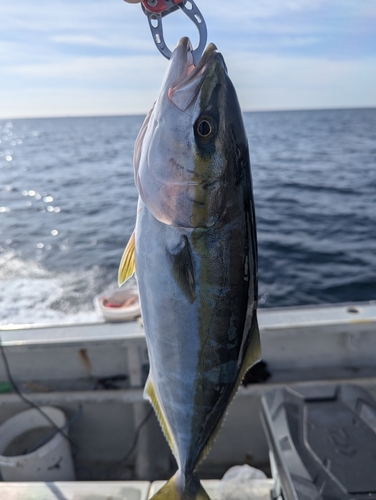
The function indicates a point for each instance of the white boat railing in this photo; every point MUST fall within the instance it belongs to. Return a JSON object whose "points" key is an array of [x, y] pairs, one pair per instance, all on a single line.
{"points": [[298, 344]]}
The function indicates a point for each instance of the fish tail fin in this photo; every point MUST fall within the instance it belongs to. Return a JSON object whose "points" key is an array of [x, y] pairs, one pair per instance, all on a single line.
{"points": [[173, 490]]}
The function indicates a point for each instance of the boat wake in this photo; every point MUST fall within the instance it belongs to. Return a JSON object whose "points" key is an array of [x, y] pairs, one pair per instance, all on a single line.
{"points": [[30, 294]]}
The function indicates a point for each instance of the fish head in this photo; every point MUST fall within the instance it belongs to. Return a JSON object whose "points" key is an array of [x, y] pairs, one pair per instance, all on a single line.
{"points": [[188, 154]]}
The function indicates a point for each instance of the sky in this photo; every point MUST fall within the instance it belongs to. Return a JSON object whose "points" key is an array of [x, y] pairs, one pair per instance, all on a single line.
{"points": [[97, 57]]}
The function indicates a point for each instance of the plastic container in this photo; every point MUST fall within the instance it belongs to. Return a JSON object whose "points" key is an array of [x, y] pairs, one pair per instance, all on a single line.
{"points": [[322, 440], [50, 462], [118, 305]]}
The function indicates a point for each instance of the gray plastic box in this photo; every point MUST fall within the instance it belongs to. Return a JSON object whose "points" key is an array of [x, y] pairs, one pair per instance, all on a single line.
{"points": [[323, 441]]}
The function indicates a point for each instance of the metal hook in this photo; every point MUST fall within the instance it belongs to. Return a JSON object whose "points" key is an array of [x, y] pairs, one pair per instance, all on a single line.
{"points": [[155, 10]]}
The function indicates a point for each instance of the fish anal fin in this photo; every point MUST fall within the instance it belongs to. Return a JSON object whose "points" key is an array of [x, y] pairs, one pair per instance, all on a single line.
{"points": [[172, 490], [252, 356], [182, 269], [128, 262], [253, 353], [151, 394]]}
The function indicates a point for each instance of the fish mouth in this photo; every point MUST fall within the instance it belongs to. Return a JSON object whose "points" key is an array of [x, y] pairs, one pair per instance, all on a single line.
{"points": [[188, 77]]}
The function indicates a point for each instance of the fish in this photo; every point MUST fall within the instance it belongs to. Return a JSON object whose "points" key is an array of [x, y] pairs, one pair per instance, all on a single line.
{"points": [[194, 252]]}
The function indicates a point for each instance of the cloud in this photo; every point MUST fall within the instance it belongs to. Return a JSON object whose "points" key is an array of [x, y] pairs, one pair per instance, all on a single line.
{"points": [[84, 40], [281, 53], [113, 86], [272, 83], [73, 101], [123, 72], [325, 26], [45, 16]]}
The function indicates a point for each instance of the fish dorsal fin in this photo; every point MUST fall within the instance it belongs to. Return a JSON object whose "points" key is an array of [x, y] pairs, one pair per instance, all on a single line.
{"points": [[252, 356], [151, 394], [128, 263], [182, 269]]}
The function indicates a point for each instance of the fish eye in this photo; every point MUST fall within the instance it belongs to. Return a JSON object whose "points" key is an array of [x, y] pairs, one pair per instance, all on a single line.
{"points": [[205, 128]]}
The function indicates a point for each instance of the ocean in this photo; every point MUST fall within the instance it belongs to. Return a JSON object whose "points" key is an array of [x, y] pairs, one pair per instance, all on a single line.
{"points": [[68, 207]]}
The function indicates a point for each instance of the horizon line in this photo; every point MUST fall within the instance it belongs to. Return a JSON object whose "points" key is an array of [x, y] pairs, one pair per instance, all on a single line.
{"points": [[120, 115]]}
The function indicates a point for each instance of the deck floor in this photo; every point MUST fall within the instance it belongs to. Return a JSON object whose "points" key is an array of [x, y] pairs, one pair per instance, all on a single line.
{"points": [[117, 490]]}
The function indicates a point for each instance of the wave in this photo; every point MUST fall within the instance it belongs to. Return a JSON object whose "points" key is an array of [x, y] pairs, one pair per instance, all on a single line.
{"points": [[29, 294]]}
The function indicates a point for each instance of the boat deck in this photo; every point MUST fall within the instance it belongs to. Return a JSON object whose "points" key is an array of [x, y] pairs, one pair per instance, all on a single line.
{"points": [[68, 365], [116, 490]]}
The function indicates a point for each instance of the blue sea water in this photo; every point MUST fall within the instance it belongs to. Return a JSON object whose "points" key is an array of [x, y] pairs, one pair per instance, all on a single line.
{"points": [[68, 206]]}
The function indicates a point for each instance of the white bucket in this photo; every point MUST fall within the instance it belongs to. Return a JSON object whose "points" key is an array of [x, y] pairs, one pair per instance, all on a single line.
{"points": [[51, 462]]}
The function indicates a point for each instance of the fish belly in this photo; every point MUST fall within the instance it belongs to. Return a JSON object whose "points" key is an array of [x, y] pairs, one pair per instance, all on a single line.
{"points": [[170, 323]]}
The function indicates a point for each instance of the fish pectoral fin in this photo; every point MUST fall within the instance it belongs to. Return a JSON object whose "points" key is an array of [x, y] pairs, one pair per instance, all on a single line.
{"points": [[128, 263], [151, 394], [182, 269], [193, 490]]}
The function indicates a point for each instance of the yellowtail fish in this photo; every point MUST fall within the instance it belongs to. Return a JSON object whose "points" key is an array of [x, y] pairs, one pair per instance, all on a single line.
{"points": [[194, 251]]}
